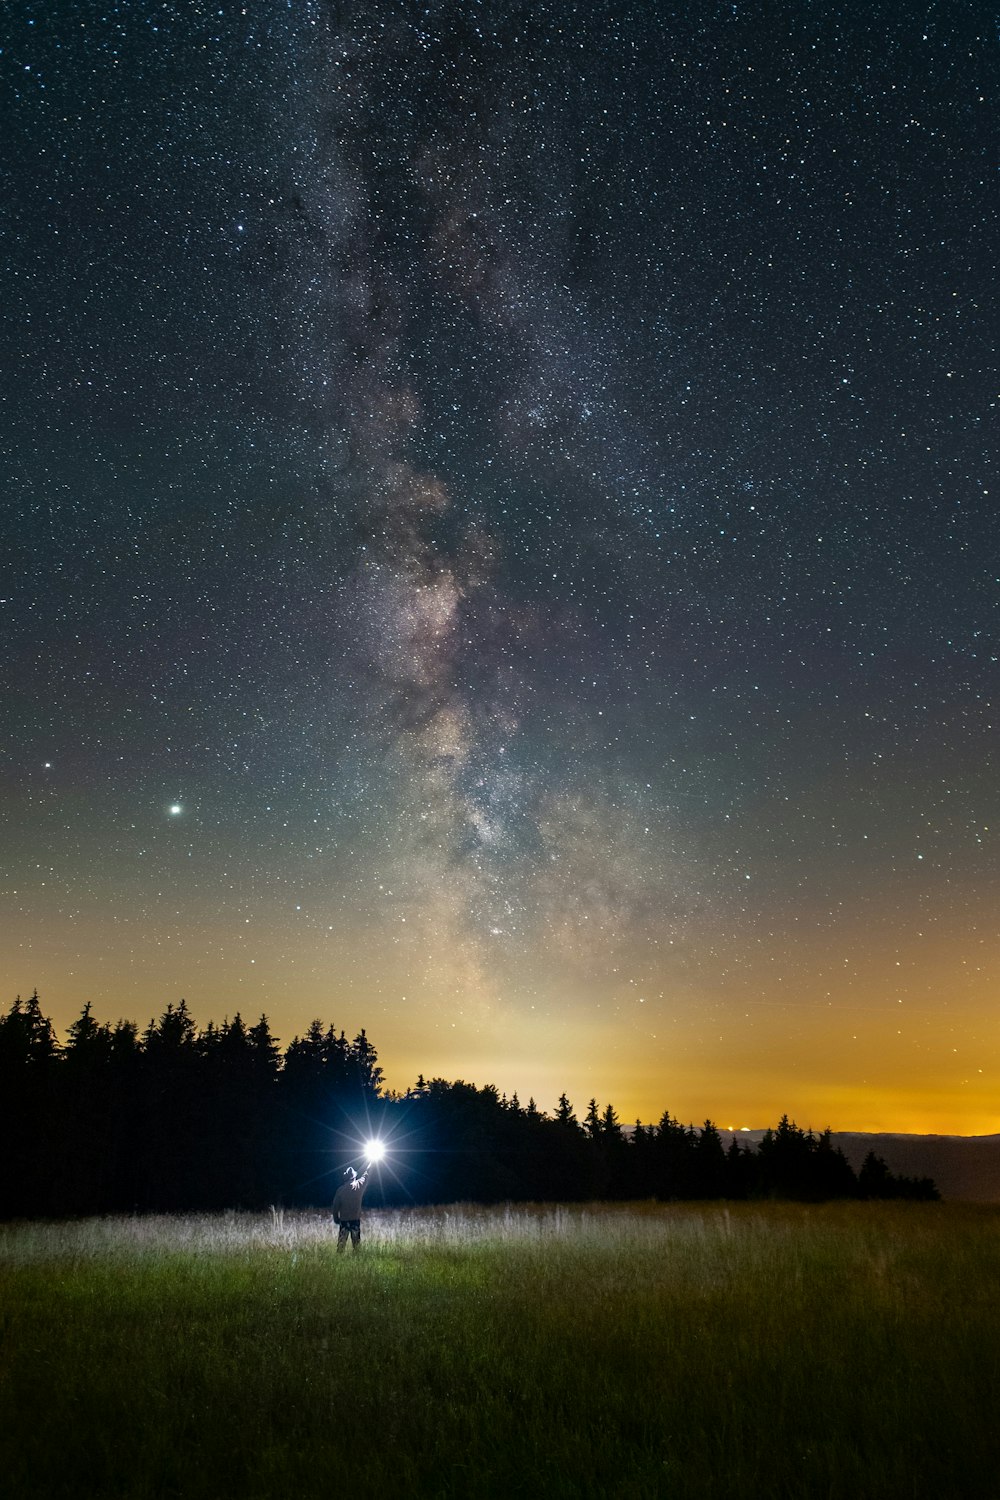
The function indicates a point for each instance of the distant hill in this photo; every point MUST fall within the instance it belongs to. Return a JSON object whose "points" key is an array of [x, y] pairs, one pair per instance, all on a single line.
{"points": [[962, 1166]]}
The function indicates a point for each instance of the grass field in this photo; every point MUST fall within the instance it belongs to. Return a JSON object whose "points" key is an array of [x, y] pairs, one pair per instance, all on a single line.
{"points": [[753, 1351]]}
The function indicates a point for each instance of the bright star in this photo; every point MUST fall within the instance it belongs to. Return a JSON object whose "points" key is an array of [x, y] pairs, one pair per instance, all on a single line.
{"points": [[175, 809]]}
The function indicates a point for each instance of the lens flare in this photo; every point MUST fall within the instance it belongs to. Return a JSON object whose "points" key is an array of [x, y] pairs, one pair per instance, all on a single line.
{"points": [[375, 1150]]}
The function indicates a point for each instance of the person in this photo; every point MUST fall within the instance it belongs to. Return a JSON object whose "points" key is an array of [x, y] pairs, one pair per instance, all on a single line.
{"points": [[347, 1208]]}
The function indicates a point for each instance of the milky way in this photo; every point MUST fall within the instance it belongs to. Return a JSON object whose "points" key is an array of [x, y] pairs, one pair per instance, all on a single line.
{"points": [[501, 540]]}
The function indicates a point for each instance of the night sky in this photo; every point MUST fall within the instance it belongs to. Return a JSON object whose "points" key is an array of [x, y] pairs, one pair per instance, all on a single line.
{"points": [[499, 543]]}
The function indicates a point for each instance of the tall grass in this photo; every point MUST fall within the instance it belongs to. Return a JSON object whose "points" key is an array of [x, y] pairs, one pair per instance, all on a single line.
{"points": [[753, 1351]]}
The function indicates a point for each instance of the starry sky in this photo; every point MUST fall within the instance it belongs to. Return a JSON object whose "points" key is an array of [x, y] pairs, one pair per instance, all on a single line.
{"points": [[499, 544]]}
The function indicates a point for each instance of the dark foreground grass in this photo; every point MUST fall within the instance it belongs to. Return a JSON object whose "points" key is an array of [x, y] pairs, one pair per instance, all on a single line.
{"points": [[842, 1352]]}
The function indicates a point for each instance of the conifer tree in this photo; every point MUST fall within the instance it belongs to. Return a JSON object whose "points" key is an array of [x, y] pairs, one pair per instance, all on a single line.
{"points": [[710, 1162], [364, 1058], [264, 1052], [564, 1112]]}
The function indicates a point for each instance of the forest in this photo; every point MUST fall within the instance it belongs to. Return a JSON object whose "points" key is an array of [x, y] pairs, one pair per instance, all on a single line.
{"points": [[177, 1118]]}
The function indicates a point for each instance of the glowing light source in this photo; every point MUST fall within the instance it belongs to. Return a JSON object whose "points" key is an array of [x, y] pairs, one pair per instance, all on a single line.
{"points": [[175, 809], [375, 1150]]}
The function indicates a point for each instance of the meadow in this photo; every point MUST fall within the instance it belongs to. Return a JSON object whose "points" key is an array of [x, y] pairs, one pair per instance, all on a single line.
{"points": [[746, 1352]]}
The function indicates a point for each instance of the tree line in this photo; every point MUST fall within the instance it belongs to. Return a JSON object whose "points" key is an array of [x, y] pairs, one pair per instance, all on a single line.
{"points": [[172, 1118]]}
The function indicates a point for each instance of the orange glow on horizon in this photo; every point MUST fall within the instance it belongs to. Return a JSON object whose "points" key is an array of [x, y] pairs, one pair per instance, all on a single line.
{"points": [[872, 1023]]}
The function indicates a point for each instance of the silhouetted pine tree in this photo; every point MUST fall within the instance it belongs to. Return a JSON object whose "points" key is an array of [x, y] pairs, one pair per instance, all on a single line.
{"points": [[710, 1163], [29, 1054], [263, 1080], [314, 1123], [739, 1171], [568, 1170], [171, 1114], [638, 1168], [83, 1172], [831, 1174], [564, 1112], [365, 1073], [674, 1160], [126, 1089], [783, 1155], [875, 1180]]}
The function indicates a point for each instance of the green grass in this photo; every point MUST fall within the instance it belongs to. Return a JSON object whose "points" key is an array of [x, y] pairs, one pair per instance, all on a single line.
{"points": [[692, 1351]]}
